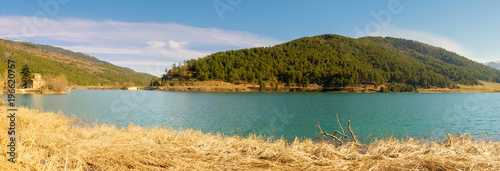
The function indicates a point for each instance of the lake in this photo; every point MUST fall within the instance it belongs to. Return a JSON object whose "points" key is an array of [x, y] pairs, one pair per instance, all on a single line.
{"points": [[290, 115]]}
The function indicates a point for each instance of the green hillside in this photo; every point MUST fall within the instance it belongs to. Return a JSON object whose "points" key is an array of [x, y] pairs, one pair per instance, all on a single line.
{"points": [[69, 53], [337, 61], [79, 68]]}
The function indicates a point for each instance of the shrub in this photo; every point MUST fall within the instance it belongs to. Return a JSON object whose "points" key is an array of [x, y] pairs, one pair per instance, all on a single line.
{"points": [[58, 84]]}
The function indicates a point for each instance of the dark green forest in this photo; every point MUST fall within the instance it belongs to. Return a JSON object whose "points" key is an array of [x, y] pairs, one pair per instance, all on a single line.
{"points": [[337, 61], [78, 70]]}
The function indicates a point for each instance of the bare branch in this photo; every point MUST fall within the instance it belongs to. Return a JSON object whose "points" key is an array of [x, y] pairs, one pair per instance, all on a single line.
{"points": [[354, 139], [334, 137], [330, 135], [352, 134], [320, 131], [339, 123], [337, 132]]}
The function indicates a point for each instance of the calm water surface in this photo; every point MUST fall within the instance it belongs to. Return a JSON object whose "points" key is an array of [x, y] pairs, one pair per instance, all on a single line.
{"points": [[284, 114]]}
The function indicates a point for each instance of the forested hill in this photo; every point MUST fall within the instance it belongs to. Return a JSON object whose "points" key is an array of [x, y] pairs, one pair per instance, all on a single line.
{"points": [[337, 61], [79, 68]]}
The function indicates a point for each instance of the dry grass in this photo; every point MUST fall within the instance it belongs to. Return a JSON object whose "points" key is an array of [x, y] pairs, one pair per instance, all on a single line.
{"points": [[49, 141], [486, 87]]}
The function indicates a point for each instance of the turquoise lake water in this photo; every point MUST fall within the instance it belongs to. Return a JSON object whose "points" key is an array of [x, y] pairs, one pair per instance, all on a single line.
{"points": [[374, 115]]}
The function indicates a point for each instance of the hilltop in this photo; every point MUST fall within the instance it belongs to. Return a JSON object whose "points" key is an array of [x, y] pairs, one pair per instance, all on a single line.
{"points": [[338, 61], [79, 68]]}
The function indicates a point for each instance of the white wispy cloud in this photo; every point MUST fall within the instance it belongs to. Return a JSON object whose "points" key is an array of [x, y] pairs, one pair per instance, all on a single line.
{"points": [[89, 31], [424, 37], [169, 41]]}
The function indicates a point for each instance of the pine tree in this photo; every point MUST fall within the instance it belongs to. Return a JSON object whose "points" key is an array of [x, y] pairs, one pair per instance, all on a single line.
{"points": [[26, 75]]}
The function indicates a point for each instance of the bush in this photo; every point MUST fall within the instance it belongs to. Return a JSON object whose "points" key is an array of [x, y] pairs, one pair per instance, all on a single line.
{"points": [[58, 84], [127, 84]]}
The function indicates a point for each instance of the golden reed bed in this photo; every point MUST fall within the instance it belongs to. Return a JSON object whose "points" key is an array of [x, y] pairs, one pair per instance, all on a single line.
{"points": [[49, 141]]}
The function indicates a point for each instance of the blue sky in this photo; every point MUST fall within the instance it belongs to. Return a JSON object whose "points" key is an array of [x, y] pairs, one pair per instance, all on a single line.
{"points": [[148, 36]]}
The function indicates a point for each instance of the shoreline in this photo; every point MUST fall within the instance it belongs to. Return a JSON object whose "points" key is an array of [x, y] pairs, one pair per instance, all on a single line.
{"points": [[38, 92], [77, 87], [219, 86], [52, 141], [281, 90], [43, 93]]}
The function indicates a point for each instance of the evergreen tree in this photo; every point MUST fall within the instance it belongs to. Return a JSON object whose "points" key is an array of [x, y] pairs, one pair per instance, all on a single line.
{"points": [[25, 75]]}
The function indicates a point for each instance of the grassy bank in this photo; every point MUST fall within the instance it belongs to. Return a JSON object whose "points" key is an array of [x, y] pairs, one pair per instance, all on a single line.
{"points": [[48, 141], [485, 87]]}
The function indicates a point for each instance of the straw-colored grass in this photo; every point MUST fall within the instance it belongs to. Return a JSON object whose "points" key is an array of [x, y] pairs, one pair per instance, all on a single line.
{"points": [[485, 87], [49, 141]]}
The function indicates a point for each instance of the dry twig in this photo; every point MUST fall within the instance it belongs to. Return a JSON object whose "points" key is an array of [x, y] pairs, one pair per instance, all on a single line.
{"points": [[337, 132], [340, 124], [320, 131], [330, 135], [352, 133]]}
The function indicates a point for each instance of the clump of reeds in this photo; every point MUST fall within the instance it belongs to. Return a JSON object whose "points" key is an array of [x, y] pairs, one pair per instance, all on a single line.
{"points": [[49, 141]]}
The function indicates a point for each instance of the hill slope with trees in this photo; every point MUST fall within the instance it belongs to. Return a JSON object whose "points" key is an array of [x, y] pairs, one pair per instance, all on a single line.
{"points": [[337, 61], [79, 68]]}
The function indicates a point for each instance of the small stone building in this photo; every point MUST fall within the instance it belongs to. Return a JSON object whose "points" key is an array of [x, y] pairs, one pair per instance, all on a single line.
{"points": [[36, 82]]}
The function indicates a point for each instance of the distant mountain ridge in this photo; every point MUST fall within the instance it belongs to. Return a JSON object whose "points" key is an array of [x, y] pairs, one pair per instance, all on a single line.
{"points": [[70, 53], [494, 64], [338, 61], [79, 68]]}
